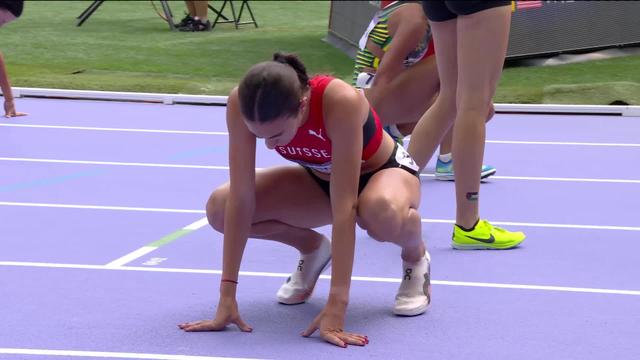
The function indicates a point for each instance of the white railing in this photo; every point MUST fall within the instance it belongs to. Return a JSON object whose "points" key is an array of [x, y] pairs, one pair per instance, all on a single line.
{"points": [[624, 110]]}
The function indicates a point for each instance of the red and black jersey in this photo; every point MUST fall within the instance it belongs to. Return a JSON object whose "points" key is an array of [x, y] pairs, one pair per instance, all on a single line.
{"points": [[311, 147]]}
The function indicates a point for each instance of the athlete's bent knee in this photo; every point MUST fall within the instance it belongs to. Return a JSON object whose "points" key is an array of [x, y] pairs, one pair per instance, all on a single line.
{"points": [[382, 218], [215, 208]]}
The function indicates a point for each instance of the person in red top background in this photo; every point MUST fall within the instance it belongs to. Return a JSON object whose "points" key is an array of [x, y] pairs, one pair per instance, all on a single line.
{"points": [[350, 171]]}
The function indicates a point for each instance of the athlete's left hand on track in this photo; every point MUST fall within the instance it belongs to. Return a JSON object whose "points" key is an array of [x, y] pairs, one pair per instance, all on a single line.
{"points": [[10, 110], [330, 322]]}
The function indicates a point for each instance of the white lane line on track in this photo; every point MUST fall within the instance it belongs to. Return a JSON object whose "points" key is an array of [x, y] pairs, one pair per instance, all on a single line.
{"points": [[60, 127], [158, 243], [107, 354], [197, 224], [224, 133], [100, 207], [212, 167], [446, 221], [131, 256], [540, 178], [545, 225], [115, 163], [327, 277], [563, 143]]}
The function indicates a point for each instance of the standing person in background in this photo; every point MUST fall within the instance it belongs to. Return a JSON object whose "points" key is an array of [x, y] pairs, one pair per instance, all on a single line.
{"points": [[396, 65], [196, 18], [471, 40], [9, 10]]}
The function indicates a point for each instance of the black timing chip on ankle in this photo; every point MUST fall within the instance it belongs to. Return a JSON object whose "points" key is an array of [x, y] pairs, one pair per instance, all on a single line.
{"points": [[472, 196], [471, 228]]}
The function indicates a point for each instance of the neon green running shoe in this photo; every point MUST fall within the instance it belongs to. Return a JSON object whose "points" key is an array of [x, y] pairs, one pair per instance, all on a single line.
{"points": [[485, 236]]}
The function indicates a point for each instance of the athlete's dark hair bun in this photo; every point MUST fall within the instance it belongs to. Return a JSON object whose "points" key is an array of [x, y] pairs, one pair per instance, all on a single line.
{"points": [[297, 65]]}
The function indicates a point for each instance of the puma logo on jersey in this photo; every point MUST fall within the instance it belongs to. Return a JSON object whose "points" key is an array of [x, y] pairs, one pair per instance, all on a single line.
{"points": [[317, 134]]}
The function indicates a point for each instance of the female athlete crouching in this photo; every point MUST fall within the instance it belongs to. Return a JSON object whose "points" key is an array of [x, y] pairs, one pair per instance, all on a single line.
{"points": [[349, 171]]}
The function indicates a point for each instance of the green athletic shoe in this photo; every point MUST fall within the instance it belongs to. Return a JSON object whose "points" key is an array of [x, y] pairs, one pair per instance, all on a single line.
{"points": [[485, 236]]}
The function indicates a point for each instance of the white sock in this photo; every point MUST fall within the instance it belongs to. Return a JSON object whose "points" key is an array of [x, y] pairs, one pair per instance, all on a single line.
{"points": [[445, 157], [299, 286], [414, 294]]}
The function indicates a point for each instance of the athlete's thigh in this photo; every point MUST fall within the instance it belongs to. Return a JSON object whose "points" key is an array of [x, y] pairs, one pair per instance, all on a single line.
{"points": [[482, 46], [395, 185], [290, 195], [407, 95], [421, 77], [445, 40]]}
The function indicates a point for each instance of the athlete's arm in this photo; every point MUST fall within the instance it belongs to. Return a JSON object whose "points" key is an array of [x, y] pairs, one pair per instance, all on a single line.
{"points": [[344, 112], [241, 202], [5, 86], [9, 106], [238, 216], [407, 27]]}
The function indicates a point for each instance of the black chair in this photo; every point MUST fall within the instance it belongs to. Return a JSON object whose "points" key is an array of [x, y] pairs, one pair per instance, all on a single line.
{"points": [[86, 14], [221, 18]]}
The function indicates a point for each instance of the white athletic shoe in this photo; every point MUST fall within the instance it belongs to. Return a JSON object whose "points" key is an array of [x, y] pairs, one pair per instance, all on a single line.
{"points": [[299, 286], [414, 294]]}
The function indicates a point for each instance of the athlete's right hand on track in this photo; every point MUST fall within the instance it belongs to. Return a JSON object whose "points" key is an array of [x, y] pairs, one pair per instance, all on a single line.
{"points": [[330, 322], [226, 314]]}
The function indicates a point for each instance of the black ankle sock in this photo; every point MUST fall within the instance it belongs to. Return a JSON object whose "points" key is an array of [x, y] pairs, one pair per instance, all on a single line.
{"points": [[471, 229]]}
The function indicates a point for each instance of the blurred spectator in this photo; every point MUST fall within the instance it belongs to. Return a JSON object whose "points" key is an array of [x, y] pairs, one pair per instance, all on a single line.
{"points": [[9, 10], [197, 18]]}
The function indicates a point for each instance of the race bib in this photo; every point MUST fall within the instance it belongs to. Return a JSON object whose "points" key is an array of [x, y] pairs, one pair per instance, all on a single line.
{"points": [[324, 168], [403, 158], [364, 80]]}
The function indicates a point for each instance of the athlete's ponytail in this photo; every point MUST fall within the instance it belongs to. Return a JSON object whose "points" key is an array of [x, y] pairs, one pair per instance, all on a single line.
{"points": [[273, 89], [297, 65]]}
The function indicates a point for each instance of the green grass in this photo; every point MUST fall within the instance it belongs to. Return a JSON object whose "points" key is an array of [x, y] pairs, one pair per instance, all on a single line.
{"points": [[594, 82], [125, 46]]}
